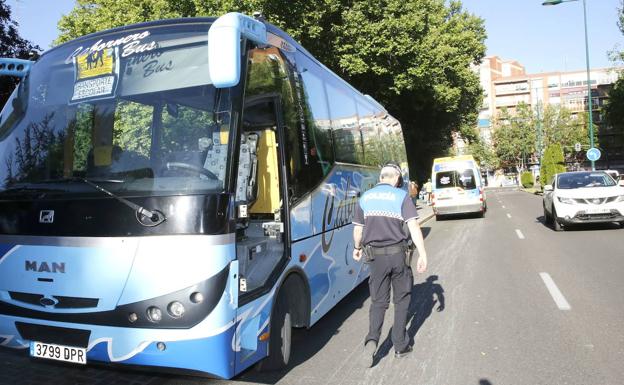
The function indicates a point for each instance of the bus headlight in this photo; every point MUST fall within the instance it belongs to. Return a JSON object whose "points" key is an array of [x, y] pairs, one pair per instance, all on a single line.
{"points": [[197, 297], [176, 309], [154, 314]]}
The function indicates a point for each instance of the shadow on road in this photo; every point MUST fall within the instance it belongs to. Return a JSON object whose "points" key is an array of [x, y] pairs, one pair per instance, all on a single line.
{"points": [[307, 343], [582, 227], [425, 296], [450, 217]]}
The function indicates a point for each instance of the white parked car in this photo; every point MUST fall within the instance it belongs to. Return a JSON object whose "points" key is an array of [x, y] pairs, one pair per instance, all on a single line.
{"points": [[583, 197]]}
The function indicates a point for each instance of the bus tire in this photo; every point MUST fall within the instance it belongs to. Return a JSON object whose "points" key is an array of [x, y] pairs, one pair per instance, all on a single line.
{"points": [[280, 337]]}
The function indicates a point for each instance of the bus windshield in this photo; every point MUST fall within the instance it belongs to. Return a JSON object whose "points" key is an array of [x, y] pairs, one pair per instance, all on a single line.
{"points": [[133, 109]]}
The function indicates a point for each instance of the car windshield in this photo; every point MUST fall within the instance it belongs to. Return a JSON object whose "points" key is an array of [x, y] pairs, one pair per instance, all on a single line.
{"points": [[134, 110], [584, 179]]}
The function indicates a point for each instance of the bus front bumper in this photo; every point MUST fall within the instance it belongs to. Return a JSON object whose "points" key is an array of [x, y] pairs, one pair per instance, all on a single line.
{"points": [[210, 355]]}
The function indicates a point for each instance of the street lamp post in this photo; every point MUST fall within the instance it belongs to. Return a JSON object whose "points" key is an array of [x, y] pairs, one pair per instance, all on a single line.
{"points": [[589, 93]]}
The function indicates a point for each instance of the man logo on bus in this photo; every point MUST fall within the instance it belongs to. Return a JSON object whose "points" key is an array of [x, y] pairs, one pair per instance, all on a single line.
{"points": [[45, 267], [46, 216]]}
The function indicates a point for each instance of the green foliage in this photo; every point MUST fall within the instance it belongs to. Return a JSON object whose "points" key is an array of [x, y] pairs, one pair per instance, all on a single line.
{"points": [[614, 110], [552, 163], [484, 155], [526, 178], [514, 136], [11, 45], [560, 126], [413, 56]]}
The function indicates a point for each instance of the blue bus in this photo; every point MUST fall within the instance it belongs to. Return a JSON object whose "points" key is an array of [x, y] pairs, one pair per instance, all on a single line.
{"points": [[178, 194]]}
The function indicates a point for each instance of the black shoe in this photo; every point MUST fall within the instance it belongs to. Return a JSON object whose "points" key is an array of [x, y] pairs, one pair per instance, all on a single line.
{"points": [[369, 353], [403, 353]]}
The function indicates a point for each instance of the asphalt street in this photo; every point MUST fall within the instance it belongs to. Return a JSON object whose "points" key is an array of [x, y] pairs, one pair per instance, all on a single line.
{"points": [[505, 300]]}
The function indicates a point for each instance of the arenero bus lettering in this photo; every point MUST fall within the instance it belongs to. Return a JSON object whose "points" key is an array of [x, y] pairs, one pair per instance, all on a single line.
{"points": [[343, 215], [131, 44]]}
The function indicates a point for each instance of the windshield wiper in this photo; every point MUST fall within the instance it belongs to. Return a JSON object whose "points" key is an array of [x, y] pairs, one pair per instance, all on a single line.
{"points": [[144, 216], [28, 189]]}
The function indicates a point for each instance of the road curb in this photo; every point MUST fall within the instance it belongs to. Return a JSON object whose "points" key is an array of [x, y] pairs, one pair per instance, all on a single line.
{"points": [[539, 193], [426, 218]]}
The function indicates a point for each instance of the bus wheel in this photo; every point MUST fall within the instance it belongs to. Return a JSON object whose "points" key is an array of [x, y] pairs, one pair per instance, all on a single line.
{"points": [[280, 337]]}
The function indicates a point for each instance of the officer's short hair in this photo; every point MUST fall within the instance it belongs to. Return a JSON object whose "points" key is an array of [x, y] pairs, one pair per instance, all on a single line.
{"points": [[391, 170]]}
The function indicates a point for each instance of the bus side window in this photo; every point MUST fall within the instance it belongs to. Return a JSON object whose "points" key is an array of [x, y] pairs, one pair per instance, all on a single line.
{"points": [[271, 73], [318, 122]]}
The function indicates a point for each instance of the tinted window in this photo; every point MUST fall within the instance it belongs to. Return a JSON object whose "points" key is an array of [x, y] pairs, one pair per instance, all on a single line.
{"points": [[454, 178], [317, 113], [373, 150], [345, 126]]}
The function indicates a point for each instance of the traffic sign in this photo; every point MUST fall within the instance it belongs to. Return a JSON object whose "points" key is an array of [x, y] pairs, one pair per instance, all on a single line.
{"points": [[577, 147], [593, 154]]}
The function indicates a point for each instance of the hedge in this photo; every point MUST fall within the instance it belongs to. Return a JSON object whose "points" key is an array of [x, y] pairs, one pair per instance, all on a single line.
{"points": [[526, 178]]}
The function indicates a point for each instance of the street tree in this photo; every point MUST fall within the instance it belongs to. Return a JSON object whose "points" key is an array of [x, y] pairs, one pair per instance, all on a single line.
{"points": [[484, 155], [552, 163], [515, 137], [560, 125], [413, 56], [614, 109], [12, 45]]}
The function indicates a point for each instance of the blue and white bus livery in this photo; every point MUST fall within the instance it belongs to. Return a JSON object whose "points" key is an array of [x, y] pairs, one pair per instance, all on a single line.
{"points": [[179, 194]]}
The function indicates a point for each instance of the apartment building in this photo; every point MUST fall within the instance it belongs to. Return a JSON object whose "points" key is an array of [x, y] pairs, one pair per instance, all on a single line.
{"points": [[506, 85]]}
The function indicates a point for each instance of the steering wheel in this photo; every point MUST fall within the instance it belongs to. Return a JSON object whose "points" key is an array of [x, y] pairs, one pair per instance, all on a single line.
{"points": [[190, 167]]}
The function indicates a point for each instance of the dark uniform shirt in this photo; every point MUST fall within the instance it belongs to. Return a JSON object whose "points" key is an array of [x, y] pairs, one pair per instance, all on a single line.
{"points": [[383, 210]]}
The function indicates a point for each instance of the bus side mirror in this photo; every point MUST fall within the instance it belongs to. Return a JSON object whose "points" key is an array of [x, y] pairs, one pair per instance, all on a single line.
{"points": [[224, 46], [548, 188]]}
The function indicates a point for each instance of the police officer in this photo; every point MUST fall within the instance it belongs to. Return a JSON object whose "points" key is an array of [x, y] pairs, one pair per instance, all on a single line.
{"points": [[380, 237]]}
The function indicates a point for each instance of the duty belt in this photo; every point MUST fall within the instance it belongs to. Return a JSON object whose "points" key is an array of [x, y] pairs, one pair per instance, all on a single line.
{"points": [[388, 250]]}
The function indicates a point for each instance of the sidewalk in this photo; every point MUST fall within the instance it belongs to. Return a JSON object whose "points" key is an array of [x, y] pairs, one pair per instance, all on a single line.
{"points": [[425, 212]]}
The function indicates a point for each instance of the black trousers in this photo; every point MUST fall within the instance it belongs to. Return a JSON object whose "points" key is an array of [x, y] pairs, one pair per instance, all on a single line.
{"points": [[389, 270]]}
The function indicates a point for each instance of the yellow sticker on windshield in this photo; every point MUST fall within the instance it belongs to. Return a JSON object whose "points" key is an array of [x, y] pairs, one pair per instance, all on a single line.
{"points": [[96, 63], [96, 74]]}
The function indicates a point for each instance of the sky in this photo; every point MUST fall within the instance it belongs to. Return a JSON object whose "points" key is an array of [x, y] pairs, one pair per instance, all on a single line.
{"points": [[543, 39], [550, 38]]}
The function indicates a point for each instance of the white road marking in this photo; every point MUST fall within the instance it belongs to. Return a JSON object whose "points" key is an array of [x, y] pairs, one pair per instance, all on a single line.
{"points": [[503, 206], [508, 215], [560, 300], [519, 234]]}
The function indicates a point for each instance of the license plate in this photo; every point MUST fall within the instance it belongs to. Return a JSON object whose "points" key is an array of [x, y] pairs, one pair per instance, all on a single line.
{"points": [[58, 352], [597, 210]]}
